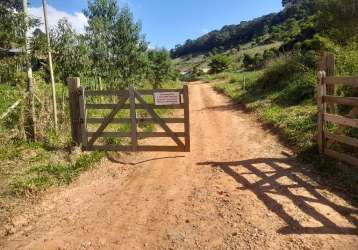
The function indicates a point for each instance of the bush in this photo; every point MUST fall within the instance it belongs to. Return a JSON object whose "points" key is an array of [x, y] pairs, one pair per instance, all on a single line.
{"points": [[347, 60], [219, 63], [280, 71], [300, 89]]}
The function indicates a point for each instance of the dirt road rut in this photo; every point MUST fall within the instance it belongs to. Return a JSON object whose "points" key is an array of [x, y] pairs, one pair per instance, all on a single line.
{"points": [[237, 189]]}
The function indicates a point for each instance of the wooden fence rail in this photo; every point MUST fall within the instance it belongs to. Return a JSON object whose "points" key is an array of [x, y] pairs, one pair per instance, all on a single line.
{"points": [[327, 111]]}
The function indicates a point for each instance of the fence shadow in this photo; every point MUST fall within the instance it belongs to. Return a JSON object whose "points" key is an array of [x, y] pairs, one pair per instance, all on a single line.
{"points": [[114, 160], [225, 107], [261, 176]]}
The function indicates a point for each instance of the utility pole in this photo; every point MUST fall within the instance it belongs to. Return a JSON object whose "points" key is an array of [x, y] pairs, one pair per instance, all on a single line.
{"points": [[31, 127], [54, 103]]}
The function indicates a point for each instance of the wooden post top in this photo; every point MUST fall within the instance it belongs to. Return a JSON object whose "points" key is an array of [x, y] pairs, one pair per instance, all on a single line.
{"points": [[73, 83]]}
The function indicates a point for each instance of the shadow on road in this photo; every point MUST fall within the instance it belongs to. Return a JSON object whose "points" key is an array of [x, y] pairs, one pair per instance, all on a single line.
{"points": [[274, 180], [112, 159], [230, 107]]}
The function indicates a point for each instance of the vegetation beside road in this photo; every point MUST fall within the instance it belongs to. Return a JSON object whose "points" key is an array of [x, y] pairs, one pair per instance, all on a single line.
{"points": [[289, 106]]}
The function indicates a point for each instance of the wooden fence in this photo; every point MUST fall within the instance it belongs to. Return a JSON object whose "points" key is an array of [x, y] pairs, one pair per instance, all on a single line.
{"points": [[328, 102]]}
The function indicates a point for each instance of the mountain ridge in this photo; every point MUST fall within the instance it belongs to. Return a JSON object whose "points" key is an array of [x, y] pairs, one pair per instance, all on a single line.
{"points": [[268, 28]]}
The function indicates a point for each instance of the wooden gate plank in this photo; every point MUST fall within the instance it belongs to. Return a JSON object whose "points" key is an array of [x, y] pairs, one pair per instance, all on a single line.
{"points": [[98, 120], [342, 157], [351, 101], [128, 148], [341, 128], [158, 119], [108, 119], [139, 134], [133, 115], [111, 134], [341, 120], [159, 134], [342, 139], [138, 106], [83, 122], [342, 80]]}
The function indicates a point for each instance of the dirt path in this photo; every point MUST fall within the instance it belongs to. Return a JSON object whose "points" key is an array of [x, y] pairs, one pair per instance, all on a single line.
{"points": [[237, 189]]}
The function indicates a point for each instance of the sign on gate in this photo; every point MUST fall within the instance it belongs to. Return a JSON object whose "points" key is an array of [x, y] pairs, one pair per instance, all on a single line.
{"points": [[166, 98]]}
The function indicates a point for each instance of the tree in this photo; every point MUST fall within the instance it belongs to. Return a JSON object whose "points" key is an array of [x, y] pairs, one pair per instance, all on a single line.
{"points": [[253, 62], [196, 72], [268, 54], [118, 50], [71, 53], [12, 4], [258, 61], [338, 19], [102, 16], [219, 63], [248, 61], [160, 66], [12, 39], [129, 50], [38, 46]]}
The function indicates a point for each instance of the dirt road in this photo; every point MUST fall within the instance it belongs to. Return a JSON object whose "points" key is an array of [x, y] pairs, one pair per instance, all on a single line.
{"points": [[237, 189]]}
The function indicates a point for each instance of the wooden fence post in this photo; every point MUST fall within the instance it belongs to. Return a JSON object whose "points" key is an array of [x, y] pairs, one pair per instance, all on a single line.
{"points": [[321, 92], [187, 118], [74, 102], [327, 64]]}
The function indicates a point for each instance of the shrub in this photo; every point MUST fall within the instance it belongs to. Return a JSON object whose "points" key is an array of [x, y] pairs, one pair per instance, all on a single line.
{"points": [[347, 60], [280, 71], [300, 88], [219, 63]]}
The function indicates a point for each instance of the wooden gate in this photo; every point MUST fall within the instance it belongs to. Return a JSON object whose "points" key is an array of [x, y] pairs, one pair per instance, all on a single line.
{"points": [[329, 113], [128, 102]]}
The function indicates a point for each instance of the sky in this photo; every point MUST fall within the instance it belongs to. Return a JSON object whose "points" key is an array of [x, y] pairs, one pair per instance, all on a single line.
{"points": [[167, 22]]}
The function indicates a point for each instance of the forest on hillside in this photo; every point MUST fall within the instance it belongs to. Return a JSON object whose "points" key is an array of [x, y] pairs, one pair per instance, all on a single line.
{"points": [[299, 21]]}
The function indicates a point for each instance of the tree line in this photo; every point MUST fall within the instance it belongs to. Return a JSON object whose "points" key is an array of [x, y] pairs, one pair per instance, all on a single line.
{"points": [[112, 47], [265, 30], [324, 26]]}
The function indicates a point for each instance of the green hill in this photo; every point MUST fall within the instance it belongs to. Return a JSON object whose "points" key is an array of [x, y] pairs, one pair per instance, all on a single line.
{"points": [[267, 29]]}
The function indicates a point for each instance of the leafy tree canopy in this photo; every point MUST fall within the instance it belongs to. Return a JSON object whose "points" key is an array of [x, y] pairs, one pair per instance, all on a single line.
{"points": [[219, 63]]}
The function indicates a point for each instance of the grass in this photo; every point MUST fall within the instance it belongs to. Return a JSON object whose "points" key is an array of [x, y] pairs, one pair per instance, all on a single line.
{"points": [[41, 177], [287, 103], [7, 97]]}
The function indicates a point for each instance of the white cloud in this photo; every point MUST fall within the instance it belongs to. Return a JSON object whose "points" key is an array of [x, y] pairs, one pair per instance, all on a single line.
{"points": [[78, 19]]}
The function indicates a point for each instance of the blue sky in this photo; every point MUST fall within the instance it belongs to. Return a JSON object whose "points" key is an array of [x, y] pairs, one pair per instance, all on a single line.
{"points": [[170, 22]]}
